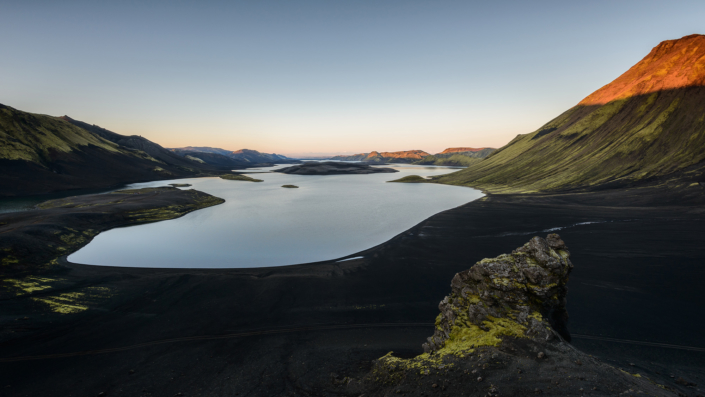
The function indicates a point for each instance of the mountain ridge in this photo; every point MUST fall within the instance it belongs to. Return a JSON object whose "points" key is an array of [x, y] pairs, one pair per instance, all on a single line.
{"points": [[654, 137], [403, 156], [243, 157], [42, 154]]}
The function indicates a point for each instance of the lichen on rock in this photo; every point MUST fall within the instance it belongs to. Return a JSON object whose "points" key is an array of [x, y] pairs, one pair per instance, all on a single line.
{"points": [[522, 294], [503, 324]]}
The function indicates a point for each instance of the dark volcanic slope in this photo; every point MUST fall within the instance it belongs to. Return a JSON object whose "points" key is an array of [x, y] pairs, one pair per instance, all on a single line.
{"points": [[647, 125], [333, 168], [42, 154], [31, 241]]}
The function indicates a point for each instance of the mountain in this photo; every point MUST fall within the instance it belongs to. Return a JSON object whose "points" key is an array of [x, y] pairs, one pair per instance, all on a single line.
{"points": [[42, 154], [645, 127], [134, 142], [213, 159], [459, 156], [408, 156], [242, 157]]}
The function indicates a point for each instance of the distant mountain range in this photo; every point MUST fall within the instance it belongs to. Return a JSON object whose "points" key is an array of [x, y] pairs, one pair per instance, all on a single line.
{"points": [[222, 157], [407, 156], [461, 156], [645, 127]]}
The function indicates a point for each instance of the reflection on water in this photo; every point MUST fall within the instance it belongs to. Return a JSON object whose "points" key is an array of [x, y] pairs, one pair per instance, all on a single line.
{"points": [[263, 224]]}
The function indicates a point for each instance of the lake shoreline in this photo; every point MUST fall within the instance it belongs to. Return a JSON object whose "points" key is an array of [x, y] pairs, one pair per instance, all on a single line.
{"points": [[397, 282]]}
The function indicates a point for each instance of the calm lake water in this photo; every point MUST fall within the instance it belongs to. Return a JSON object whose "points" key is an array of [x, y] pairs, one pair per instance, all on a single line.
{"points": [[263, 224]]}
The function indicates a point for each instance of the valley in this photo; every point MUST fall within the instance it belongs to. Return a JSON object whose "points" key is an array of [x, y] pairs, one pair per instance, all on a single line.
{"points": [[576, 271]]}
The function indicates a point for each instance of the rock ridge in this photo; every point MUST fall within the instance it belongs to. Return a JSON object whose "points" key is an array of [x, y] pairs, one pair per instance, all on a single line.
{"points": [[502, 332]]}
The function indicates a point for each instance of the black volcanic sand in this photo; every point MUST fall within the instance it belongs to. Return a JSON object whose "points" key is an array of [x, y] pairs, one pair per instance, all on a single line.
{"points": [[333, 168], [636, 287], [32, 241]]}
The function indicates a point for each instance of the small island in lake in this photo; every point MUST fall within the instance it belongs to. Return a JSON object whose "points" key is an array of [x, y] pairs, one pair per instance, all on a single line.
{"points": [[290, 186], [411, 179], [333, 168], [239, 177]]}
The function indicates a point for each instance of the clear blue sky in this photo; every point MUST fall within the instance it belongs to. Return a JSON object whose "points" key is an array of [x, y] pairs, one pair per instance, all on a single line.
{"points": [[324, 76]]}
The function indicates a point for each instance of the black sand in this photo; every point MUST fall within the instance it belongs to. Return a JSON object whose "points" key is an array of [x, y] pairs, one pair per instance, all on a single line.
{"points": [[637, 280]]}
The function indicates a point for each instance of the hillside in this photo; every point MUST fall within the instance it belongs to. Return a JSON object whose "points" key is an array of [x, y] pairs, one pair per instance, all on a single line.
{"points": [[454, 150], [42, 154], [461, 156], [407, 156], [135, 142], [647, 126], [242, 157]]}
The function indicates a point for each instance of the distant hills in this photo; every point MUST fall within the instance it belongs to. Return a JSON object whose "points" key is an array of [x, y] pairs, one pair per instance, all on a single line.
{"points": [[645, 127], [407, 156], [459, 156], [450, 156], [222, 157], [134, 142]]}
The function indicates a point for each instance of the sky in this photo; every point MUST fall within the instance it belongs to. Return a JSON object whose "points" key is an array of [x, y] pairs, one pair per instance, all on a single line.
{"points": [[324, 77]]}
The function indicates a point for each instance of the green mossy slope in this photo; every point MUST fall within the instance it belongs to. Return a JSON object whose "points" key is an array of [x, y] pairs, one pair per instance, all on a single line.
{"points": [[617, 144], [42, 154], [647, 126], [36, 137], [458, 160]]}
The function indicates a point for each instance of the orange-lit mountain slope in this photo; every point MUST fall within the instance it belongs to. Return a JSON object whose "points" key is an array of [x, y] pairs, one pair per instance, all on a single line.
{"points": [[647, 126]]}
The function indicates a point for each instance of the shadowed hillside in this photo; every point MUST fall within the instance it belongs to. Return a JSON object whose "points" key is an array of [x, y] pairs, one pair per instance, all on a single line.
{"points": [[41, 154], [241, 158], [135, 142], [647, 126]]}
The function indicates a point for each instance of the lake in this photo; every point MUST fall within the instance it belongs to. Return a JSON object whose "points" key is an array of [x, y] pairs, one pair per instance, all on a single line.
{"points": [[263, 224]]}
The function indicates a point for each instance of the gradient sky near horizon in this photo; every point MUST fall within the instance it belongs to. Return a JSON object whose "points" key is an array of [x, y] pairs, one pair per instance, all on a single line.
{"points": [[323, 77]]}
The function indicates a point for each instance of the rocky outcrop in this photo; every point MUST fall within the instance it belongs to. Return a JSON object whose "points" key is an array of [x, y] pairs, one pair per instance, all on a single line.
{"points": [[502, 331], [522, 294]]}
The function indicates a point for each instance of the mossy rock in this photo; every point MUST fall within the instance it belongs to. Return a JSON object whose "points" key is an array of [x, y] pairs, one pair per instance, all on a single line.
{"points": [[290, 186], [239, 177], [411, 179], [180, 184]]}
